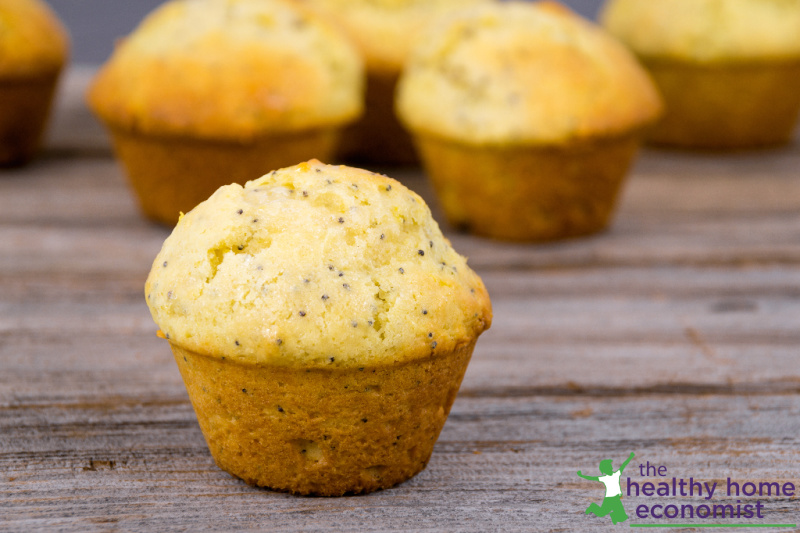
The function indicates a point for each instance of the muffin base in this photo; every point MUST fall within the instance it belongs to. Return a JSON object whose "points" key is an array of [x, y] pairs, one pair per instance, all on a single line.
{"points": [[322, 432], [377, 137], [529, 193], [24, 107], [171, 174], [727, 106]]}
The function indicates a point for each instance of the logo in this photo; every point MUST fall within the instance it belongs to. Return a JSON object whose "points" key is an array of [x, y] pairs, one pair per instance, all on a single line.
{"points": [[612, 503], [677, 502]]}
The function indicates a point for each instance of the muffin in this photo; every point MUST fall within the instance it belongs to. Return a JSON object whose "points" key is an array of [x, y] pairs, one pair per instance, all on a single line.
{"points": [[209, 92], [33, 50], [729, 70], [384, 33], [527, 118], [322, 325]]}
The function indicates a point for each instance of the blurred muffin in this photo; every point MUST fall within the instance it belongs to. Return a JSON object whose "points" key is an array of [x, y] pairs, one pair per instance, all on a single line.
{"points": [[33, 49], [527, 118], [322, 325], [384, 32], [209, 92], [729, 70]]}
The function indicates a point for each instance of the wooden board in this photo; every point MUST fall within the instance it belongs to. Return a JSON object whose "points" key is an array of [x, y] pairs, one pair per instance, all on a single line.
{"points": [[675, 335]]}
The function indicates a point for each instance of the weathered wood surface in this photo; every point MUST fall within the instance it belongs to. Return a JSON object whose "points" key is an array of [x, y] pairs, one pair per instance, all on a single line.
{"points": [[675, 335]]}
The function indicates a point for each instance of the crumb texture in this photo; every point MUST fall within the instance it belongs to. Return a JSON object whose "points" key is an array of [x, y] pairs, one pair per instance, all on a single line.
{"points": [[707, 30], [516, 73], [236, 69], [315, 265], [32, 40]]}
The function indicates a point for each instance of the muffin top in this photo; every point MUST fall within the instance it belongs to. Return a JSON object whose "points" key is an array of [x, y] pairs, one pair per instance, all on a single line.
{"points": [[32, 40], [518, 73], [385, 30], [230, 69], [707, 30], [315, 266]]}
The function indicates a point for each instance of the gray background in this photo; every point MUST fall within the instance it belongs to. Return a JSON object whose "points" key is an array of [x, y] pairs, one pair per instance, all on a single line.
{"points": [[95, 24]]}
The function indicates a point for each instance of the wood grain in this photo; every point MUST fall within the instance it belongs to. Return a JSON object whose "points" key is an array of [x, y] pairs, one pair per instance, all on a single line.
{"points": [[675, 335]]}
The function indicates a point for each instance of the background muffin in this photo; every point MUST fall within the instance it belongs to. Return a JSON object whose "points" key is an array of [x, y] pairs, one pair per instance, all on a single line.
{"points": [[208, 92], [527, 117], [729, 70], [33, 49], [384, 32], [322, 325]]}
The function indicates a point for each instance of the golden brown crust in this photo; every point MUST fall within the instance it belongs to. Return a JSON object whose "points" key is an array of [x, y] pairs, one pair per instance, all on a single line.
{"points": [[519, 74], [325, 432], [33, 43], [234, 70], [529, 193], [727, 106], [171, 175]]}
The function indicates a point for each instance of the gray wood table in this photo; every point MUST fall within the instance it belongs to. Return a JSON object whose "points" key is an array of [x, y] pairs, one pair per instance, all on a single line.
{"points": [[675, 335]]}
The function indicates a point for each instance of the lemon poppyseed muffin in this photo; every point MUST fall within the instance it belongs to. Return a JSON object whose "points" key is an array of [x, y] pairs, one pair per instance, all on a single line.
{"points": [[322, 325], [729, 70], [527, 117], [209, 92], [33, 49]]}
